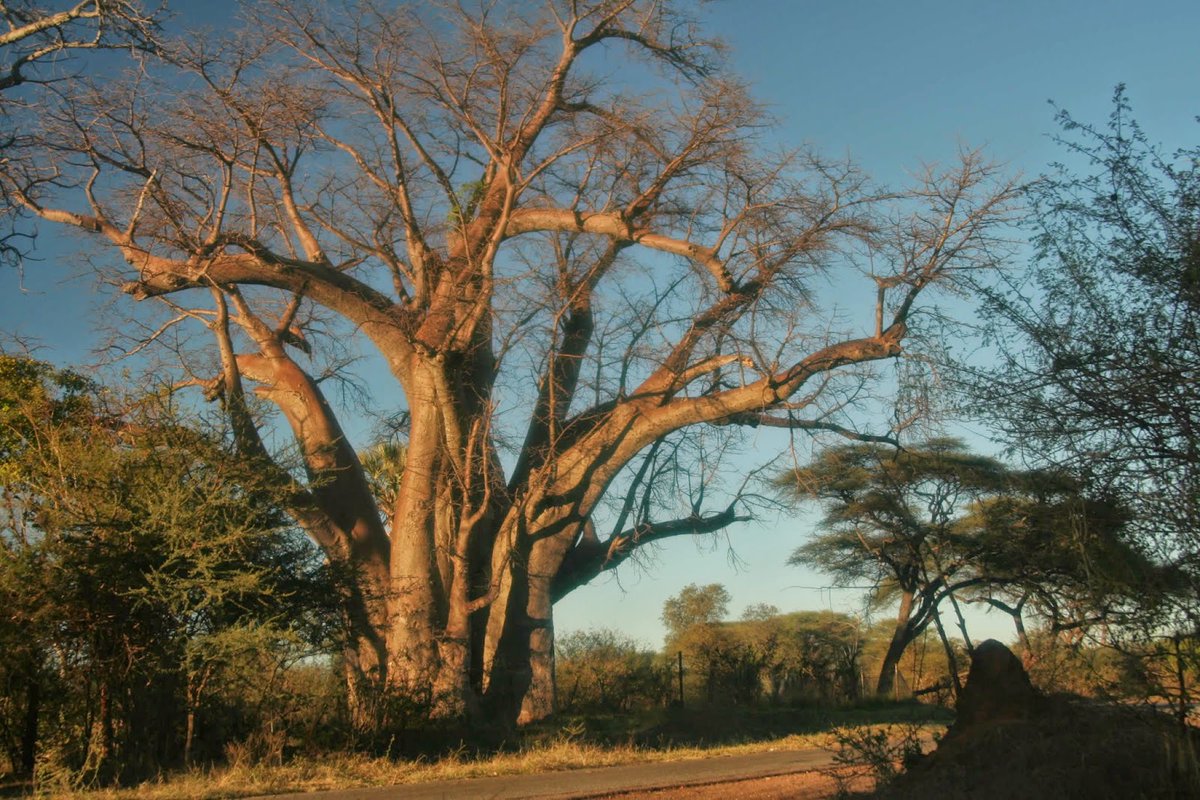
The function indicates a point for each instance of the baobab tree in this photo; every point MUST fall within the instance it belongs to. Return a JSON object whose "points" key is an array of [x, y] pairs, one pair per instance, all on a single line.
{"points": [[37, 35], [558, 226], [37, 42]]}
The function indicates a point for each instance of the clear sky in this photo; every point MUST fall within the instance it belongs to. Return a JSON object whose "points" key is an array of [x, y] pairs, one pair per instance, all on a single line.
{"points": [[895, 85], [892, 84]]}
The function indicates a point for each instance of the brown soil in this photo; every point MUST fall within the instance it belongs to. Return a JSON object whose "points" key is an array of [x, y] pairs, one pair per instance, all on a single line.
{"points": [[818, 785]]}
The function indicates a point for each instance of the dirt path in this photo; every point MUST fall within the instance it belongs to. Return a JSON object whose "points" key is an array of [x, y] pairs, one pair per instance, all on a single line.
{"points": [[751, 776], [816, 785]]}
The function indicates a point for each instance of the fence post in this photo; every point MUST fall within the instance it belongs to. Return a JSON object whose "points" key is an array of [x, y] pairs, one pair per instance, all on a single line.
{"points": [[680, 654]]}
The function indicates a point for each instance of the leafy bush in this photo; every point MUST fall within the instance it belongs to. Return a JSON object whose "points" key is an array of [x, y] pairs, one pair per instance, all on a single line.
{"points": [[601, 670]]}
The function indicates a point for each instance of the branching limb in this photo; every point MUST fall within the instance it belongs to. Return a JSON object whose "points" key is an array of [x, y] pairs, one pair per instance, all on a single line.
{"points": [[589, 557]]}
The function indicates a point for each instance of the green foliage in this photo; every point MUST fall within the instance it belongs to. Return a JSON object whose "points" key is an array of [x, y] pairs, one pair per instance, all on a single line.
{"points": [[695, 605], [383, 464], [892, 522], [720, 667], [935, 524], [766, 657], [890, 514], [809, 656], [1097, 348], [466, 201], [601, 671], [149, 578], [1065, 556]]}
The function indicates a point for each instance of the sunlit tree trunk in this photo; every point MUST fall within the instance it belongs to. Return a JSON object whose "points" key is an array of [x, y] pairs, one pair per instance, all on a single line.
{"points": [[902, 636]]}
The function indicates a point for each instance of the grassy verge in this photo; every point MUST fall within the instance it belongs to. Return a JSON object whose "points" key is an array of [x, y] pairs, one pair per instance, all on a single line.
{"points": [[572, 743]]}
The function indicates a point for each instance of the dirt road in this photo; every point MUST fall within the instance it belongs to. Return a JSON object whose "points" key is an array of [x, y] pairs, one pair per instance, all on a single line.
{"points": [[757, 776], [816, 785]]}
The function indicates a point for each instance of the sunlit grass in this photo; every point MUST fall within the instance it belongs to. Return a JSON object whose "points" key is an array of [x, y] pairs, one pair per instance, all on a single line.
{"points": [[354, 771], [571, 746]]}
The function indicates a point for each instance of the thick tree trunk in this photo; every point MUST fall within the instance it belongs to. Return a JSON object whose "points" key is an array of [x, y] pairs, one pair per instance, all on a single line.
{"points": [[338, 511], [429, 639], [519, 649], [540, 700]]}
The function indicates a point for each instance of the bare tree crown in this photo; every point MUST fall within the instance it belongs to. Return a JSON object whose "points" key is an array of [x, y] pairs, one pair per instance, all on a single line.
{"points": [[557, 222]]}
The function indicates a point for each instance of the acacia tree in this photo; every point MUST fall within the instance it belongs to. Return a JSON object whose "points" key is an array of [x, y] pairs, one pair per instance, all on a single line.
{"points": [[140, 565], [892, 518], [935, 524], [1045, 547], [583, 284]]}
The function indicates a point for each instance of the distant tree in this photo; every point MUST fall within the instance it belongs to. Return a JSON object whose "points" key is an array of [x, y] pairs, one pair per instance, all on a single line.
{"points": [[809, 655], [1072, 661], [695, 605], [891, 521], [935, 524], [760, 611], [720, 666]]}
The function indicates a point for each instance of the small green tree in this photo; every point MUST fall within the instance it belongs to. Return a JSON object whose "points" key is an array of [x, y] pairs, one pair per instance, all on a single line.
{"points": [[695, 605], [141, 562], [721, 668]]}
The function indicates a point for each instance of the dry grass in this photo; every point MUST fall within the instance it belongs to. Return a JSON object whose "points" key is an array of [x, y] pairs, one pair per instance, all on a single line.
{"points": [[349, 771], [571, 743]]}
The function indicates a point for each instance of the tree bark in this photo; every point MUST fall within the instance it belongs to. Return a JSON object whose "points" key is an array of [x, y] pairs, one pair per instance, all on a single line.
{"points": [[902, 636]]}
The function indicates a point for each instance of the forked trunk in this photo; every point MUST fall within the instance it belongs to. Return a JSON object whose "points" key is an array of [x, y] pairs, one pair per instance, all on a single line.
{"points": [[519, 646]]}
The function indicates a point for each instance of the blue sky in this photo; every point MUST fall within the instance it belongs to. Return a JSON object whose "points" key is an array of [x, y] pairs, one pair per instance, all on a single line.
{"points": [[893, 85]]}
